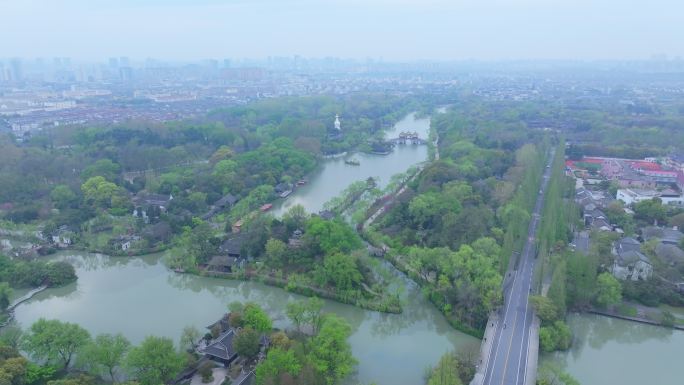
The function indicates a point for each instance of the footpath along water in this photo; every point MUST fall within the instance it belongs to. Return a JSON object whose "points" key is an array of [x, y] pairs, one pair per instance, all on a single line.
{"points": [[140, 296]]}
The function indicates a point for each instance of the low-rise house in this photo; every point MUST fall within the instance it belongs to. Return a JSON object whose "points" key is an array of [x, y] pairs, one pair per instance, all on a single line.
{"points": [[326, 215], [666, 235], [225, 202], [630, 263], [146, 201], [231, 247], [221, 349], [296, 239], [222, 264], [283, 189], [669, 254], [626, 244], [63, 237], [632, 195]]}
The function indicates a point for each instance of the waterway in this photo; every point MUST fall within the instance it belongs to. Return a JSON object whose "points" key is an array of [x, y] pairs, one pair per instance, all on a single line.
{"points": [[140, 296], [613, 351], [333, 175]]}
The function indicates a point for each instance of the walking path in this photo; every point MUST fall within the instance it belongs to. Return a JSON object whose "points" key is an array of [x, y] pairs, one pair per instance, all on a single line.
{"points": [[19, 301]]}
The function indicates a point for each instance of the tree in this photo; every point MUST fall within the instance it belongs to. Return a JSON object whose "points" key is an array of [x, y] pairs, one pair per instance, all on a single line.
{"points": [[11, 336], [155, 361], [246, 342], [276, 252], [608, 290], [277, 362], [189, 337], [62, 196], [340, 271], [256, 318], [332, 236], [313, 314], [551, 375], [13, 370], [330, 352], [104, 168], [296, 312], [650, 210], [55, 341], [545, 309], [581, 279], [677, 220], [106, 353], [295, 218], [446, 372], [99, 192], [306, 312], [5, 294]]}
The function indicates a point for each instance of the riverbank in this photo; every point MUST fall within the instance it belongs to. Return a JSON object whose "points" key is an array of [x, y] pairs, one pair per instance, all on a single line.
{"points": [[151, 299], [627, 352], [9, 312], [384, 305], [642, 320]]}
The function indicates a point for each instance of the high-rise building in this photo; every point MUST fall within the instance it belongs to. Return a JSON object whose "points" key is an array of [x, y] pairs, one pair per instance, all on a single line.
{"points": [[113, 62], [126, 74], [124, 62], [16, 69]]}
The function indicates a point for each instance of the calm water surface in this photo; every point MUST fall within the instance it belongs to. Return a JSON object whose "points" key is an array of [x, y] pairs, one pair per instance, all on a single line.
{"points": [[140, 297], [333, 175], [612, 351]]}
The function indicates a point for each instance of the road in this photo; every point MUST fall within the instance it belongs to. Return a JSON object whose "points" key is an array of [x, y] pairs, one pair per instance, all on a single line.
{"points": [[507, 360]]}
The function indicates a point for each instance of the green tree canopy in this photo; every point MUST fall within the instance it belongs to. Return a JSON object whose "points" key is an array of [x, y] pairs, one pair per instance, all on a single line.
{"points": [[330, 352], [246, 342], [608, 290], [105, 354], [276, 363], [255, 317], [55, 341], [155, 361]]}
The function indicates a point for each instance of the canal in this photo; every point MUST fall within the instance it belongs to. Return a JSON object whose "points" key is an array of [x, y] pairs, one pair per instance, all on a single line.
{"points": [[613, 351], [333, 175], [140, 296]]}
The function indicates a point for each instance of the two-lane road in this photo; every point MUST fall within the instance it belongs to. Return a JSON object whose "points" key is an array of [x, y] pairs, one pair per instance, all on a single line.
{"points": [[507, 361]]}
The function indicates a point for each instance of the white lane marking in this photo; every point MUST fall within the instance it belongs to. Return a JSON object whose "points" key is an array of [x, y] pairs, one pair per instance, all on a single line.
{"points": [[517, 374]]}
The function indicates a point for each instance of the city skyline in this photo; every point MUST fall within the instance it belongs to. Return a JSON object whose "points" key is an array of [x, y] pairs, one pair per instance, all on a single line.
{"points": [[435, 30]]}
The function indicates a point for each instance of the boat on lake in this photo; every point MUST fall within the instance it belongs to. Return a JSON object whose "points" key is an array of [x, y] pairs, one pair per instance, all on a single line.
{"points": [[352, 162]]}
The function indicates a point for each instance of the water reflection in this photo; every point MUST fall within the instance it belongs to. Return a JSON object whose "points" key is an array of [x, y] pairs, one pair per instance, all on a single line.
{"points": [[139, 297], [613, 351], [334, 175]]}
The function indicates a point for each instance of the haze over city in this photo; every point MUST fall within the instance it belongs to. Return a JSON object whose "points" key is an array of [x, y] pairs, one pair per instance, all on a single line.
{"points": [[403, 30], [341, 192]]}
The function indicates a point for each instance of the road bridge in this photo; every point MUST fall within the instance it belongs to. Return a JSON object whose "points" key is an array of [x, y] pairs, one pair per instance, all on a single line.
{"points": [[510, 346]]}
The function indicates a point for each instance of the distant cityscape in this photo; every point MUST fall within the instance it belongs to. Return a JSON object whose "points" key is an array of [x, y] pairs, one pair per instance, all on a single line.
{"points": [[36, 94]]}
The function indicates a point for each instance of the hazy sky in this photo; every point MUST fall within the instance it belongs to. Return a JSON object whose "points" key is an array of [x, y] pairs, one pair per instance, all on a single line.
{"points": [[391, 29]]}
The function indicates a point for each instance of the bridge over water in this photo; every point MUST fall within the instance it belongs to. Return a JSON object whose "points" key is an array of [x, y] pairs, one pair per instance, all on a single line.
{"points": [[511, 342]]}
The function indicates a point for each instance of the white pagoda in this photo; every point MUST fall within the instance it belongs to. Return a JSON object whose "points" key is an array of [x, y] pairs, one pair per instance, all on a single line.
{"points": [[338, 125]]}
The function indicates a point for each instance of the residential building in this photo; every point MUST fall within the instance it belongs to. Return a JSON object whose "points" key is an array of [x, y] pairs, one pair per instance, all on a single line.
{"points": [[630, 263]]}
